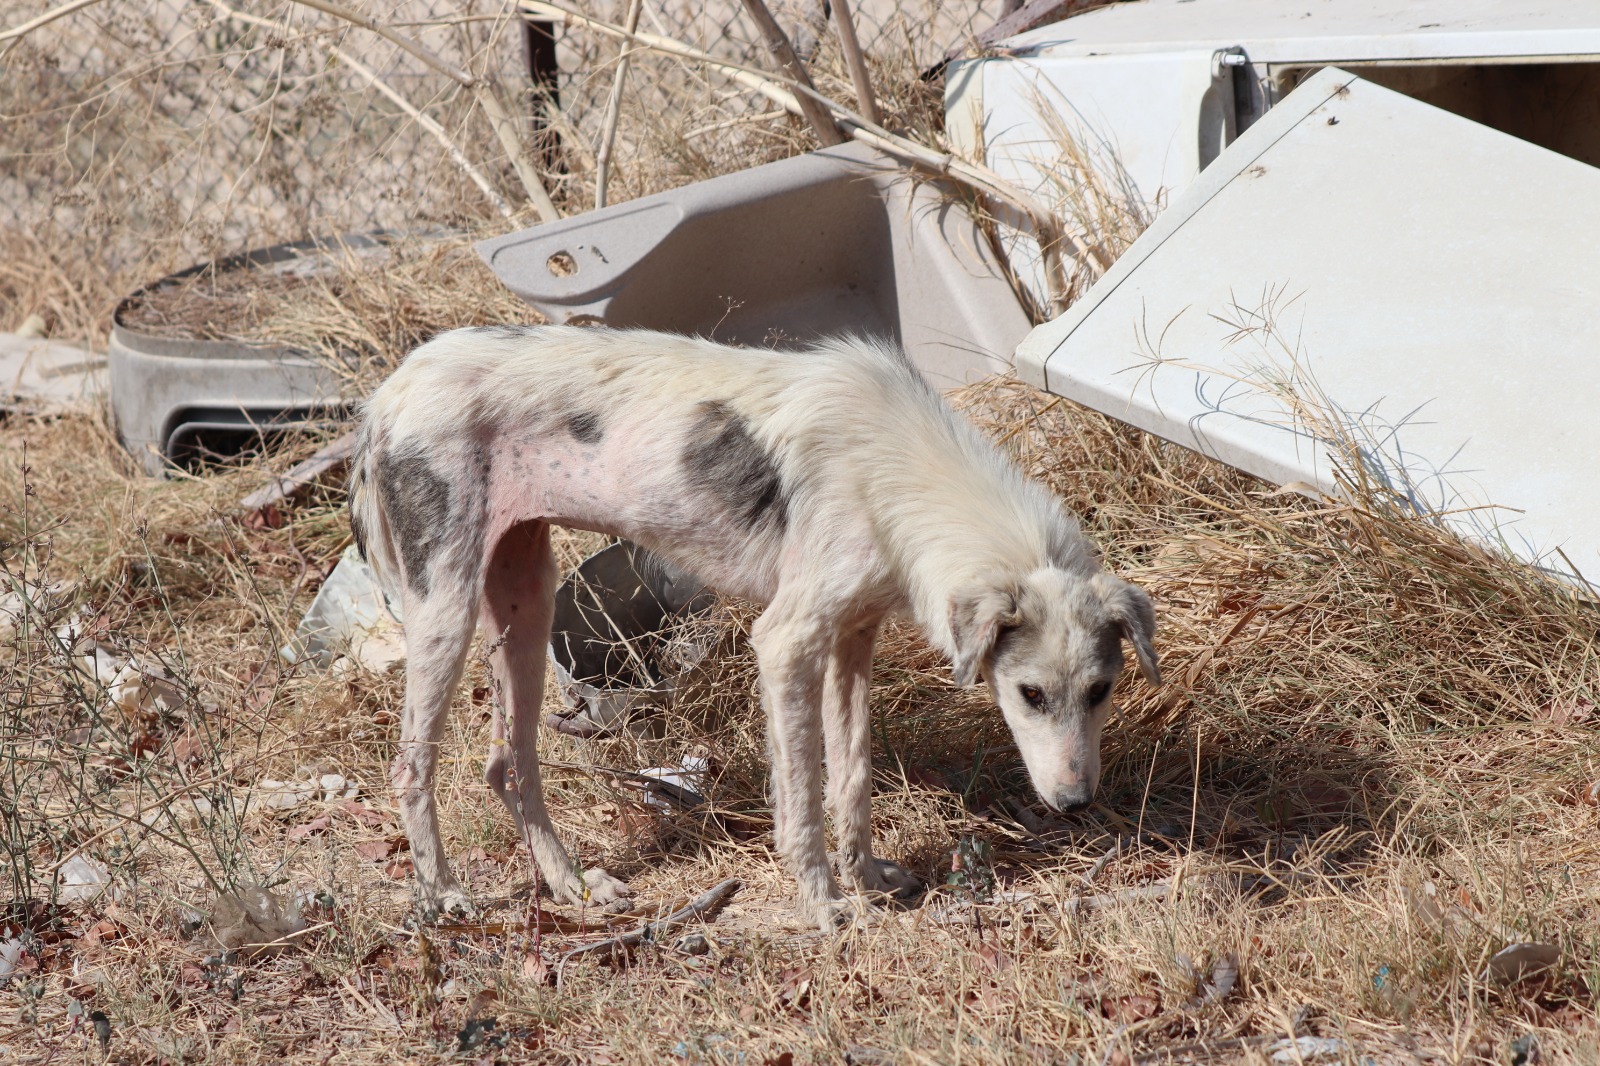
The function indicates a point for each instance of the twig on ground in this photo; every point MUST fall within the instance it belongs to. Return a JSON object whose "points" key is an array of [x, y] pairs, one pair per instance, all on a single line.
{"points": [[1105, 860], [682, 798], [1211, 1048], [302, 476], [704, 906]]}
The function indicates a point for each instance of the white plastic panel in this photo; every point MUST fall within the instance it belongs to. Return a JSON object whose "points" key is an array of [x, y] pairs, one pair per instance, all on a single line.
{"points": [[1329, 31], [1156, 118], [1433, 280], [1145, 124]]}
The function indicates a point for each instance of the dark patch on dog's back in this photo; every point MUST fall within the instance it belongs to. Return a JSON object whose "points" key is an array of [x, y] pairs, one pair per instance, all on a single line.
{"points": [[506, 332], [359, 532], [354, 487], [725, 460], [585, 427], [417, 502]]}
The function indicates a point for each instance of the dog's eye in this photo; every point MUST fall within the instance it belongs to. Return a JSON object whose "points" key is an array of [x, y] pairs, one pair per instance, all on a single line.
{"points": [[1034, 697], [1097, 693]]}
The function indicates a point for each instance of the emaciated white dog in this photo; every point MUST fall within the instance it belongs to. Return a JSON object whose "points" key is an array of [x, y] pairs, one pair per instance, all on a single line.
{"points": [[832, 485]]}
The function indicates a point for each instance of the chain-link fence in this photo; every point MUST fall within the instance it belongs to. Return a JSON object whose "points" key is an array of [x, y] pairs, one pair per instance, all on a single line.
{"points": [[146, 136]]}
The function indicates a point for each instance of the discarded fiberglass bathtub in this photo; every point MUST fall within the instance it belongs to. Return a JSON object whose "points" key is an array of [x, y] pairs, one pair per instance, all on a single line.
{"points": [[835, 241]]}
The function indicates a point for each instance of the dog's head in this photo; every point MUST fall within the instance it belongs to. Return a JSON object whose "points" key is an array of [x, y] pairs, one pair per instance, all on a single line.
{"points": [[1050, 648]]}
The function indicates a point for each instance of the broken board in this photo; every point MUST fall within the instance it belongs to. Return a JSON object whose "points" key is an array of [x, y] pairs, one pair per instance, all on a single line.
{"points": [[1362, 280]]}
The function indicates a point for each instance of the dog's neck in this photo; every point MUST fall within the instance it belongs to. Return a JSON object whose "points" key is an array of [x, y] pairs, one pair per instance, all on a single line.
{"points": [[977, 522]]}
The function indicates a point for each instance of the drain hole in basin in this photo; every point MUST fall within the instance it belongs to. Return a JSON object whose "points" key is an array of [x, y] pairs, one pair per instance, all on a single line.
{"points": [[561, 265]]}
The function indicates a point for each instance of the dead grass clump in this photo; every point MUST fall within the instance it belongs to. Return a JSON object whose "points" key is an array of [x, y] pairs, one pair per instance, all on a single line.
{"points": [[1361, 714], [356, 307]]}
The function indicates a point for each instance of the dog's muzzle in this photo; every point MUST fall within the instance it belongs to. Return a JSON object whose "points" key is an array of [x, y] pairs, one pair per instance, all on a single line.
{"points": [[1072, 798]]}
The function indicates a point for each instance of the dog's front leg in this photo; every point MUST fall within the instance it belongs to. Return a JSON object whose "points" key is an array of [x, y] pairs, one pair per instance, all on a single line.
{"points": [[792, 650], [847, 717]]}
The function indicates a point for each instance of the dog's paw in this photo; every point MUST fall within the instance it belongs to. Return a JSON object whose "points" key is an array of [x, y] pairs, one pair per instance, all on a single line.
{"points": [[595, 888], [832, 915], [893, 880], [447, 903]]}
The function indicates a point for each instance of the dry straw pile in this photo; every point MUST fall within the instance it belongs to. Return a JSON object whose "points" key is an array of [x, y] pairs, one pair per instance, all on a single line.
{"points": [[1374, 771]]}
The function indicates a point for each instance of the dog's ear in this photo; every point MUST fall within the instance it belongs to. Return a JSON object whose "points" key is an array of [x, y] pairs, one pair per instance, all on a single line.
{"points": [[976, 621], [1130, 608]]}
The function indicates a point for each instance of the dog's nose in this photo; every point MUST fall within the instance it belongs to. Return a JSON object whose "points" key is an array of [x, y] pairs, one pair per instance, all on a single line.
{"points": [[1071, 798]]}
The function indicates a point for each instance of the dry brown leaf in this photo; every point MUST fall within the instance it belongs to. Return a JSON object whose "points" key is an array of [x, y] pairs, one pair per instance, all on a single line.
{"points": [[535, 969], [263, 518], [794, 987], [1564, 712], [103, 931], [309, 829], [378, 850], [481, 1002], [1135, 1008], [363, 814], [189, 748], [994, 960]]}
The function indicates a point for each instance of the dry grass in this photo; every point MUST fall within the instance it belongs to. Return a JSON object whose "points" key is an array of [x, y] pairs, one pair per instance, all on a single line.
{"points": [[1358, 707], [1376, 762]]}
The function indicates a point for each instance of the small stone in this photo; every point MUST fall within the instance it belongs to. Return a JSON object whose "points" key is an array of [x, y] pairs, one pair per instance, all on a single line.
{"points": [[693, 944]]}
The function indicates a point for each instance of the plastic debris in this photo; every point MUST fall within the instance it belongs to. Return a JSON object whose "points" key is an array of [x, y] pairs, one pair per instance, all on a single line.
{"points": [[611, 643], [1515, 961], [14, 608], [11, 611], [693, 944], [10, 958], [337, 787], [283, 795], [351, 619], [307, 785], [254, 921], [44, 373], [144, 692], [688, 777], [82, 879], [1308, 1049]]}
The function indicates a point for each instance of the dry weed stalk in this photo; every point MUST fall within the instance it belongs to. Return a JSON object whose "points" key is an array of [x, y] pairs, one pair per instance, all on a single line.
{"points": [[481, 89]]}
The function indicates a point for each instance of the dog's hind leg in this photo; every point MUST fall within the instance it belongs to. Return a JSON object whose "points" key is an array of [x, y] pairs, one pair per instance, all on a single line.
{"points": [[847, 722], [518, 603], [438, 635]]}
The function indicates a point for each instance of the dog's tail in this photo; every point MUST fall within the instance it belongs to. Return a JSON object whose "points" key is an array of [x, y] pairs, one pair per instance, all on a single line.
{"points": [[369, 521]]}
